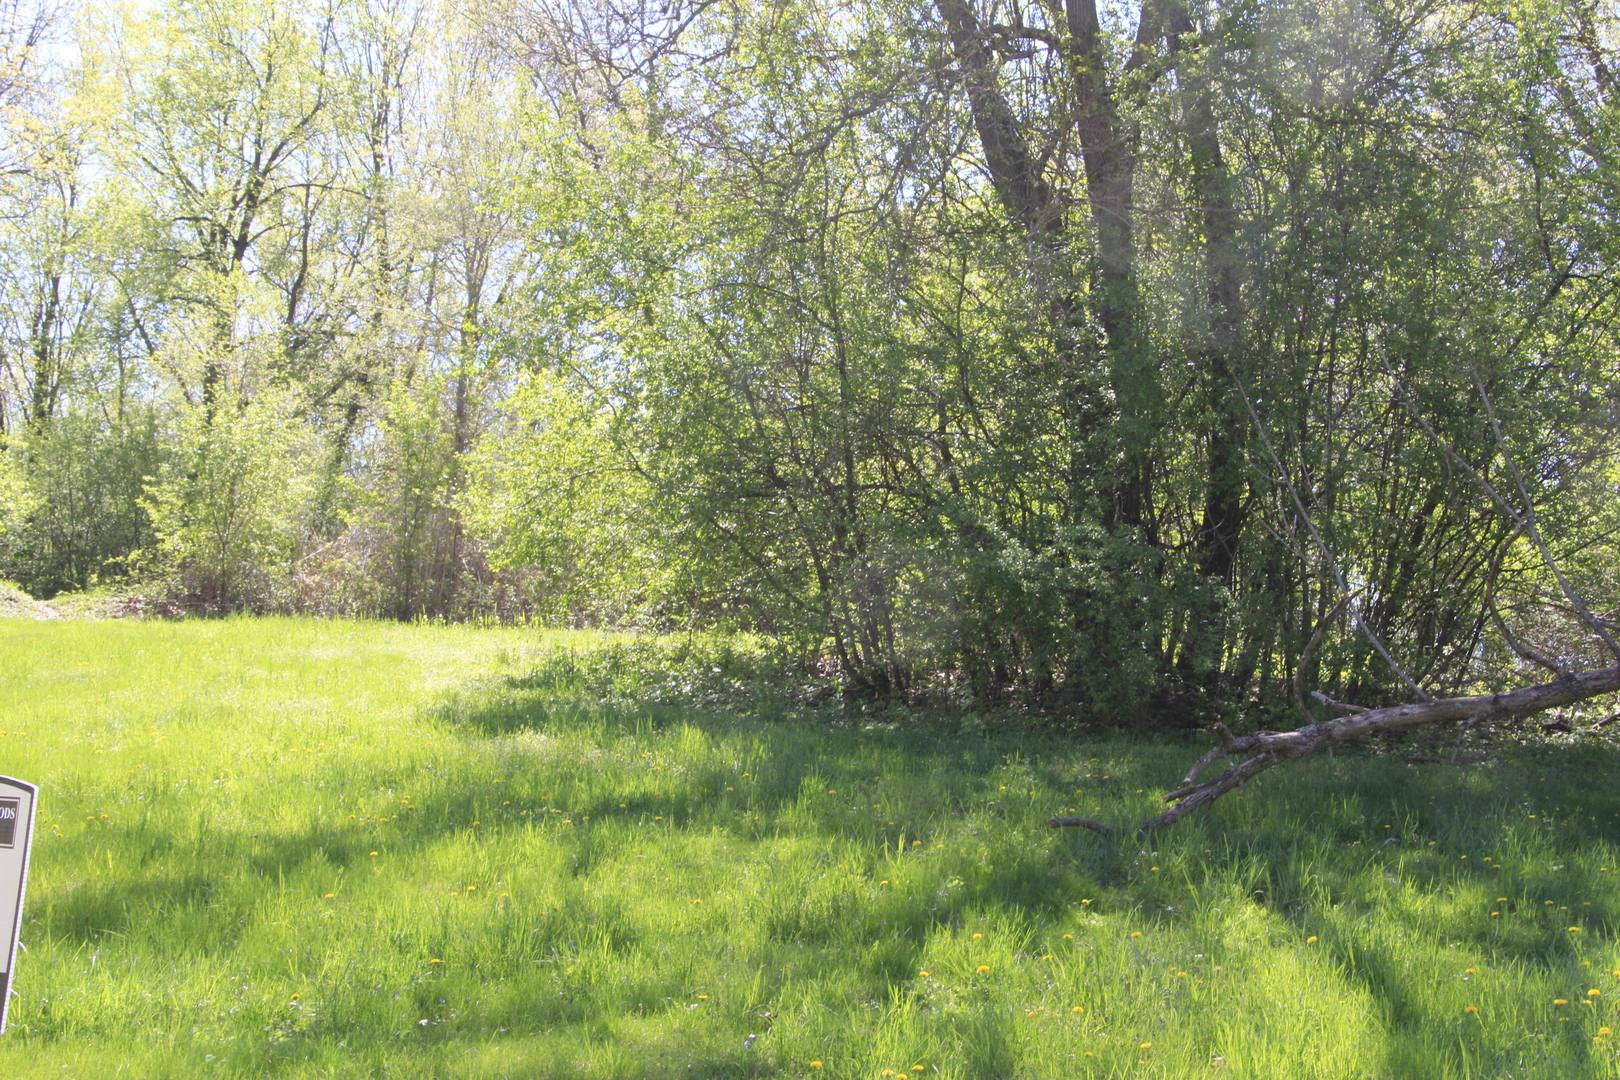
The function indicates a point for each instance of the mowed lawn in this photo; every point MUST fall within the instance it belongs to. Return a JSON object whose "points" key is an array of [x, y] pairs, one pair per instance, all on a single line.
{"points": [[327, 849]]}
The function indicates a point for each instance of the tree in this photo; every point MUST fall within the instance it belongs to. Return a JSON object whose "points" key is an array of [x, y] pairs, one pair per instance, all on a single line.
{"points": [[70, 400], [1118, 361], [226, 509], [221, 115], [1511, 445], [1101, 241]]}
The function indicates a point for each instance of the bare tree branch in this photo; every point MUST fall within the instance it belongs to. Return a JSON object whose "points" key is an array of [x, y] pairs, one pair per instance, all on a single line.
{"points": [[1520, 648], [1528, 523], [1310, 523], [1342, 706], [1305, 657]]}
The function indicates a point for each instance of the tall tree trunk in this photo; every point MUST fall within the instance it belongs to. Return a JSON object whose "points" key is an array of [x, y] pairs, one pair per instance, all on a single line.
{"points": [[1225, 484], [47, 385], [1219, 354], [1109, 149]]}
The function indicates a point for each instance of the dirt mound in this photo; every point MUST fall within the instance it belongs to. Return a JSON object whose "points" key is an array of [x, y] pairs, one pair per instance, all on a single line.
{"points": [[16, 604]]}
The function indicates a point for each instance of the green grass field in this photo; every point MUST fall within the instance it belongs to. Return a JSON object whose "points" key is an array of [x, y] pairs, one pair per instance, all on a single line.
{"points": [[323, 849]]}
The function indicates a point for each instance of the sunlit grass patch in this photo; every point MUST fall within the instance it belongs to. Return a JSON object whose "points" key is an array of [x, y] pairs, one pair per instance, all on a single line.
{"points": [[301, 848]]}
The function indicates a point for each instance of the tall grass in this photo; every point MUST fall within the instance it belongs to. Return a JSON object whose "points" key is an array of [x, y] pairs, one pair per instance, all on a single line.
{"points": [[323, 849]]}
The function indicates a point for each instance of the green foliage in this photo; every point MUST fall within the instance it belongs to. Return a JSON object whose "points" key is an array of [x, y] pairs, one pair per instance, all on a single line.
{"points": [[16, 501], [204, 899], [81, 521], [875, 411], [1058, 369], [226, 507], [409, 502], [559, 496]]}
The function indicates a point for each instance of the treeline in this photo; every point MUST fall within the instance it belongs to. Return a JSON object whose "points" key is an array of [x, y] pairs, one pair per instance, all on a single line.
{"points": [[263, 266], [1134, 361]]}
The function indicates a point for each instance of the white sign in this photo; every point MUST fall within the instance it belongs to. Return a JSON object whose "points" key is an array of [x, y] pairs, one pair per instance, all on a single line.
{"points": [[16, 837]]}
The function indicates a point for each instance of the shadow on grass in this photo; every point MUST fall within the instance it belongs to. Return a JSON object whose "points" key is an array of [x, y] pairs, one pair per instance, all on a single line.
{"points": [[1465, 807], [1287, 845], [948, 777]]}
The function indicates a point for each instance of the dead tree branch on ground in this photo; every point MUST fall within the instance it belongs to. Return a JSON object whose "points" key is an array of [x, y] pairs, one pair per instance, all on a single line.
{"points": [[1269, 748], [1266, 749]]}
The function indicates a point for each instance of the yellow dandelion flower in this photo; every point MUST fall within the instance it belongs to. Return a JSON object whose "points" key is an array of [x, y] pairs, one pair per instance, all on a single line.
{"points": [[703, 997], [1147, 1046], [1471, 1009], [1311, 940], [1048, 956], [1469, 971], [982, 968], [1079, 1009], [976, 937], [293, 998], [1495, 913], [1068, 937], [1559, 1001], [923, 975], [1594, 993], [885, 1072], [1603, 1031], [329, 896], [435, 961], [1136, 933]]}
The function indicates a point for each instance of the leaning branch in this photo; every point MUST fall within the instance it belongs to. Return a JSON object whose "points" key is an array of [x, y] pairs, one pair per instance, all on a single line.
{"points": [[1327, 554], [1523, 518], [1527, 521], [1310, 650]]}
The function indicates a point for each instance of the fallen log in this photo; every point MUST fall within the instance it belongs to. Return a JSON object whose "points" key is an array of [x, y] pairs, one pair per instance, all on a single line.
{"points": [[1270, 748]]}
